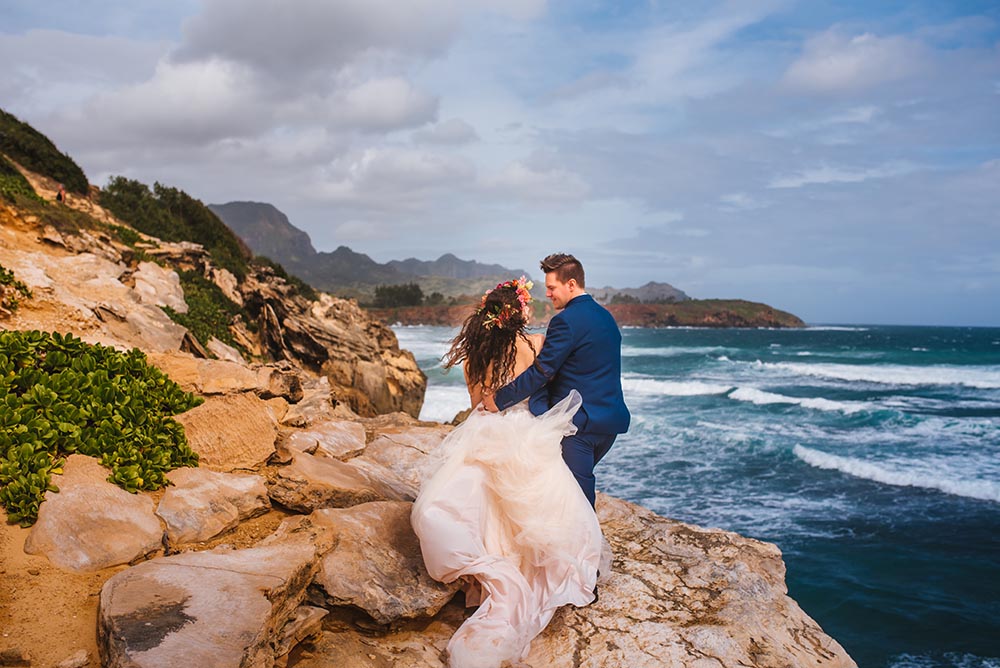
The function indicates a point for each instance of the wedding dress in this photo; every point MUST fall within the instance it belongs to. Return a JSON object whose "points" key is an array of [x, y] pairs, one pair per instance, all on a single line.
{"points": [[501, 510]]}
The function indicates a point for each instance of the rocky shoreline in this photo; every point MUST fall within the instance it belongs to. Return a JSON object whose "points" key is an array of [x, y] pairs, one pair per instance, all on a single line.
{"points": [[290, 544]]}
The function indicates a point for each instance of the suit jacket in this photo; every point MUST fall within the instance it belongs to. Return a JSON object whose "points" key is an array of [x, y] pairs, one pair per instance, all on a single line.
{"points": [[582, 352]]}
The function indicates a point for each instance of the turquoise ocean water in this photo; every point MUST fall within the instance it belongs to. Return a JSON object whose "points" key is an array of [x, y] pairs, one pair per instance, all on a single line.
{"points": [[869, 455]]}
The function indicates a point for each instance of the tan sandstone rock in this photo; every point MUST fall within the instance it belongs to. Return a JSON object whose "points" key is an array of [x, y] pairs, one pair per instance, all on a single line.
{"points": [[677, 597], [220, 608], [91, 523], [159, 286], [405, 451], [231, 432], [337, 439], [203, 503], [311, 482], [376, 564]]}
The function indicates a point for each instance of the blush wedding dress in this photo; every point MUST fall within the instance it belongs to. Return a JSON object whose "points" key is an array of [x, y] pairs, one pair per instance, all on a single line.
{"points": [[500, 509]]}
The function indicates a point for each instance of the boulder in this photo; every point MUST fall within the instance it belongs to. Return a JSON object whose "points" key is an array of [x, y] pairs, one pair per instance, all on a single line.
{"points": [[91, 523], [220, 608], [337, 439], [284, 381], [311, 482], [203, 503], [231, 432], [376, 564], [405, 451], [159, 286], [678, 596], [205, 376], [225, 352]]}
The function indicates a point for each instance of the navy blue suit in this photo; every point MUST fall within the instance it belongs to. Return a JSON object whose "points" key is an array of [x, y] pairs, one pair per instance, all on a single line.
{"points": [[582, 352]]}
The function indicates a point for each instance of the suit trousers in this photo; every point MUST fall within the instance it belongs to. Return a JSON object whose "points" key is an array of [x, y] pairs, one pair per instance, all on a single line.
{"points": [[581, 452]]}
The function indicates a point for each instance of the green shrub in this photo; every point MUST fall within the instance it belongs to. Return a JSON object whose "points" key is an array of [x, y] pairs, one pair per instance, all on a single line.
{"points": [[210, 311], [13, 184], [11, 291], [173, 215], [36, 152], [64, 396]]}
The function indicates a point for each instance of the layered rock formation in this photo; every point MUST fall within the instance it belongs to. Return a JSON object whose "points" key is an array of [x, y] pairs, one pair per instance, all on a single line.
{"points": [[88, 281]]}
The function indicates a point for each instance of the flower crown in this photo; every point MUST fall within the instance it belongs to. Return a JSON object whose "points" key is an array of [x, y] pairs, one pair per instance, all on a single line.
{"points": [[499, 316]]}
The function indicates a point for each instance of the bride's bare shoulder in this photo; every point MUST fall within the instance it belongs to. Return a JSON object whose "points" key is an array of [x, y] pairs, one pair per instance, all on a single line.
{"points": [[537, 340]]}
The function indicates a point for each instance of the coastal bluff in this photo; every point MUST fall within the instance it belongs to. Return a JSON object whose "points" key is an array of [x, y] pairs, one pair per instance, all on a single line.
{"points": [[290, 544]]}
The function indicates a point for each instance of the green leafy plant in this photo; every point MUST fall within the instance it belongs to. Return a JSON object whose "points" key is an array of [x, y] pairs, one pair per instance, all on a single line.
{"points": [[11, 291], [64, 396], [36, 152], [210, 311]]}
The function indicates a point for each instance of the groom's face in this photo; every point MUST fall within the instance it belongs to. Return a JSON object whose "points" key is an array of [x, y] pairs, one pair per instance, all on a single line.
{"points": [[559, 293]]}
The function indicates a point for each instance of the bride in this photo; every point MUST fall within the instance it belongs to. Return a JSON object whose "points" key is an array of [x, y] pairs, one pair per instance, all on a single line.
{"points": [[500, 509]]}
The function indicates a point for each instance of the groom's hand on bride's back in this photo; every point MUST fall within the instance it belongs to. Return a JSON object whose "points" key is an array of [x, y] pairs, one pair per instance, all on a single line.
{"points": [[488, 402]]}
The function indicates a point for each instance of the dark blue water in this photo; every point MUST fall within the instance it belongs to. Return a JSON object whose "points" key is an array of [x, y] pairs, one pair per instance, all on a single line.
{"points": [[869, 455]]}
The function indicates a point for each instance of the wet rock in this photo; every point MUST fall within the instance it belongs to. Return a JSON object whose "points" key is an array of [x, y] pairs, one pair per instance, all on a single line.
{"points": [[203, 503], [219, 608], [376, 564], [231, 432], [91, 523]]}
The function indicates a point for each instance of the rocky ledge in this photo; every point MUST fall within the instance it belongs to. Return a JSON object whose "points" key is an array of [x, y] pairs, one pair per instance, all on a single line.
{"points": [[292, 546]]}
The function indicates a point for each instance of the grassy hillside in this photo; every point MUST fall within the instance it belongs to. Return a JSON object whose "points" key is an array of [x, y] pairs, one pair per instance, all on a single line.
{"points": [[36, 152]]}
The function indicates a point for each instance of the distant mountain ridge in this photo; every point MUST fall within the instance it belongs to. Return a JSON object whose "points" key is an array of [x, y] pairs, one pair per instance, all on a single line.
{"points": [[346, 272], [650, 293]]}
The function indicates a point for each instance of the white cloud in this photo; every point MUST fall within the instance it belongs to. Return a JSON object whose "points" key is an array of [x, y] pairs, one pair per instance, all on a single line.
{"points": [[834, 62], [453, 131], [378, 105], [827, 174], [539, 185]]}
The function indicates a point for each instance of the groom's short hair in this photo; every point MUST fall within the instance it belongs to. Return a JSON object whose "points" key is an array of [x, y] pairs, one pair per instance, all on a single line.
{"points": [[565, 266]]}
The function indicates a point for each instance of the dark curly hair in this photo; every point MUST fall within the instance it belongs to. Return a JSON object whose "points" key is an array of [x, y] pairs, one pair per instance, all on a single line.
{"points": [[489, 338]]}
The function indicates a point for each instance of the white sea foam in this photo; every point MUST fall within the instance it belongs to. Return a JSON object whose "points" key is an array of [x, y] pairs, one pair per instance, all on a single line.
{"points": [[670, 351], [443, 402], [645, 385], [834, 328], [762, 398], [985, 490], [980, 377]]}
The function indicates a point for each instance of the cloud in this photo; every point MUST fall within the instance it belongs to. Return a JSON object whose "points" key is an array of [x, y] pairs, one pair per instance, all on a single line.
{"points": [[390, 178], [834, 62], [453, 131], [379, 105], [827, 174], [543, 185]]}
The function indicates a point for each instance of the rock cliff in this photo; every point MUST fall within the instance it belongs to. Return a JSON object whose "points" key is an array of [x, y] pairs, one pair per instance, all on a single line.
{"points": [[291, 545], [86, 279]]}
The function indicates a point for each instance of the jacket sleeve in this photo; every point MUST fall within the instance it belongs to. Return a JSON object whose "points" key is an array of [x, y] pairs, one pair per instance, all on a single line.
{"points": [[557, 347]]}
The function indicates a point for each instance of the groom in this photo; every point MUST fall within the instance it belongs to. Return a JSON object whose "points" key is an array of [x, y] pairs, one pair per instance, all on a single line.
{"points": [[582, 352]]}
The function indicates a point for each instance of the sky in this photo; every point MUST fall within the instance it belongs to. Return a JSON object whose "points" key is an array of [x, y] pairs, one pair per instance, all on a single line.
{"points": [[836, 159]]}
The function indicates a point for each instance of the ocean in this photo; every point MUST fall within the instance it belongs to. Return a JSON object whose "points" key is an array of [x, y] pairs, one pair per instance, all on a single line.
{"points": [[870, 455]]}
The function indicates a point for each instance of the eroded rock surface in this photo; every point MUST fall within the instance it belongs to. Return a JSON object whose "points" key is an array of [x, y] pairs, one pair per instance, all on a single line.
{"points": [[231, 432], [377, 565], [204, 503], [337, 439], [221, 608], [312, 482], [91, 523]]}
